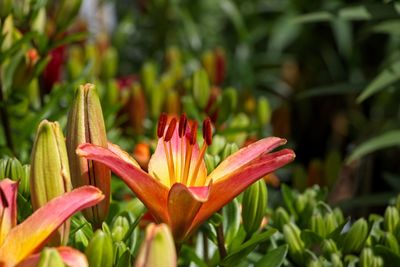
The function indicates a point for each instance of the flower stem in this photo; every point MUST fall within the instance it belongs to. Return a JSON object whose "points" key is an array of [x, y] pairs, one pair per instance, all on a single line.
{"points": [[221, 242], [5, 121]]}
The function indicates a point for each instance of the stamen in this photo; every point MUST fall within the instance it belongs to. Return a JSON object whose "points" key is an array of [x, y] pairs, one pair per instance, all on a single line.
{"points": [[193, 134], [3, 199], [170, 131], [162, 122], [182, 125], [188, 156], [207, 131]]}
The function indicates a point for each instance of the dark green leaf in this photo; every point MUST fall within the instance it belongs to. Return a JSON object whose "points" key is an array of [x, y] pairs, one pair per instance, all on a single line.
{"points": [[273, 258]]}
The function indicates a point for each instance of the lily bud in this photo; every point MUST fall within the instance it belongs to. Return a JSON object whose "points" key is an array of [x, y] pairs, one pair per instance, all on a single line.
{"points": [[292, 236], [50, 258], [263, 111], [7, 30], [13, 169], [110, 63], [201, 88], [100, 250], [281, 217], [318, 225], [5, 8], [336, 260], [39, 22], [208, 61], [86, 125], [330, 223], [158, 249], [149, 76], [254, 204], [366, 257], [391, 243], [172, 105], [119, 228], [229, 150], [354, 240], [49, 174], [137, 108], [228, 103], [329, 247], [391, 219]]}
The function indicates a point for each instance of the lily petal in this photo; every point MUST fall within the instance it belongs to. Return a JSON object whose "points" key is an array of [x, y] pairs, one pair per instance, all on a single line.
{"points": [[122, 154], [150, 191], [183, 205], [245, 156], [30, 235], [70, 256], [227, 188], [8, 207]]}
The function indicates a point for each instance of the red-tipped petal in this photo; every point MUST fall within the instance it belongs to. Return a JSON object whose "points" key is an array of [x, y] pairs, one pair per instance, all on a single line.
{"points": [[8, 207], [233, 184], [183, 205], [30, 235], [70, 257], [150, 191], [245, 156]]}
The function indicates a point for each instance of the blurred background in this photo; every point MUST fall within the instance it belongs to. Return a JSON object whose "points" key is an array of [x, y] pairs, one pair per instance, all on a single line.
{"points": [[323, 74]]}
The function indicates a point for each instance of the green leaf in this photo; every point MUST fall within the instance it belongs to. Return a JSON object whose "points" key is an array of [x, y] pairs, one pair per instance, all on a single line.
{"points": [[289, 199], [314, 17], [244, 249], [273, 258], [310, 238], [385, 78], [385, 140], [188, 253], [390, 258]]}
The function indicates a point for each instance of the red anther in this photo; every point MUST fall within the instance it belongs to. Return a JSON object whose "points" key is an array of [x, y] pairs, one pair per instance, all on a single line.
{"points": [[3, 198], [207, 131], [182, 125], [162, 122], [193, 133], [170, 131]]}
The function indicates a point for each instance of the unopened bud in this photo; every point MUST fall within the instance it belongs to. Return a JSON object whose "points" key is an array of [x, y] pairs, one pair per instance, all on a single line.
{"points": [[109, 63], [100, 250], [391, 219], [329, 247], [119, 228], [208, 61], [119, 249], [318, 225], [50, 257], [158, 248], [149, 76], [201, 88], [355, 237], [254, 204], [86, 125], [281, 217], [13, 169], [7, 28], [366, 257], [391, 243], [49, 174], [228, 104], [336, 260], [330, 222], [39, 22], [229, 150], [292, 236], [263, 111]]}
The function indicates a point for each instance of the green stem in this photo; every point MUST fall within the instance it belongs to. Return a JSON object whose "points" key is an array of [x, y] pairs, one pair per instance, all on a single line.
{"points": [[5, 121], [221, 242]]}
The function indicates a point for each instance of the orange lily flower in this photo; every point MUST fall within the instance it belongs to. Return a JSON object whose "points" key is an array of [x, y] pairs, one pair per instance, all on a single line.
{"points": [[18, 242], [177, 190]]}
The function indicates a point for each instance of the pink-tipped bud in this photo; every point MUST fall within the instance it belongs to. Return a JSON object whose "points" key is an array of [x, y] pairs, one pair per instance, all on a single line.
{"points": [[207, 131], [162, 123], [193, 134], [170, 131], [182, 125]]}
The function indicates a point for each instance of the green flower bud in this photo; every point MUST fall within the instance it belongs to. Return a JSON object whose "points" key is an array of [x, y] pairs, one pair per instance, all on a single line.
{"points": [[314, 263], [39, 22], [291, 234], [391, 242], [336, 260], [330, 222], [339, 215], [318, 225], [5, 8], [254, 204], [329, 247], [172, 102], [50, 258], [228, 103], [7, 30], [218, 144], [156, 100], [149, 76], [13, 169], [281, 217], [110, 63], [158, 249], [49, 176], [263, 111], [86, 125], [391, 219], [366, 257], [301, 203], [119, 228], [201, 88], [100, 250], [211, 161], [229, 150], [80, 240], [355, 237]]}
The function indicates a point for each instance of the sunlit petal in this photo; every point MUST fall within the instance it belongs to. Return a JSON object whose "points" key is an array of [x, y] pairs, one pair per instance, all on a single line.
{"points": [[151, 192], [8, 207], [30, 235], [233, 184], [244, 156]]}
